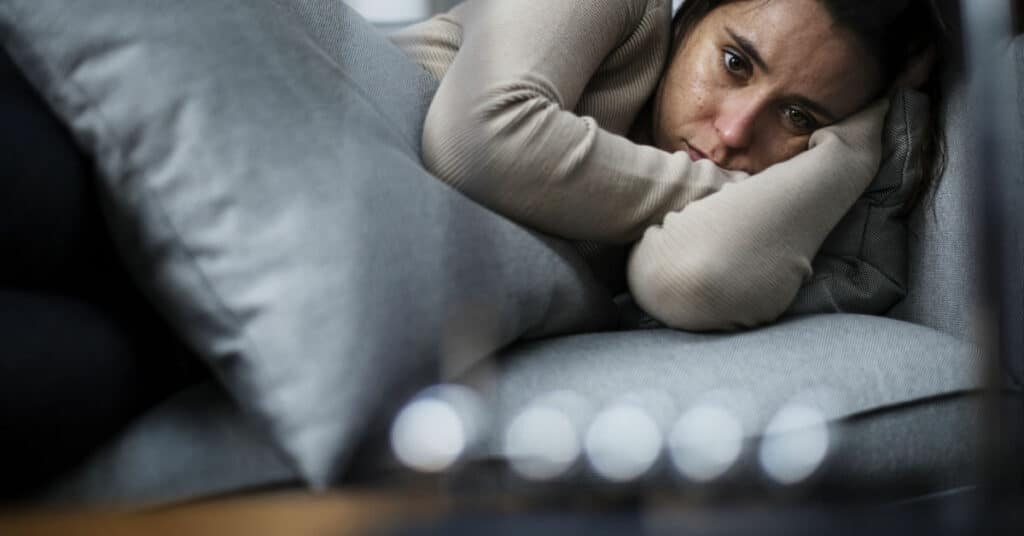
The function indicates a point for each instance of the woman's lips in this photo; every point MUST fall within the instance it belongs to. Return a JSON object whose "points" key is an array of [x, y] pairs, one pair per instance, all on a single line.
{"points": [[695, 155]]}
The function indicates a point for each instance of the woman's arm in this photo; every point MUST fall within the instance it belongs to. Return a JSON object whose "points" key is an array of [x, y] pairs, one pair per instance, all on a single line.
{"points": [[501, 127], [737, 258]]}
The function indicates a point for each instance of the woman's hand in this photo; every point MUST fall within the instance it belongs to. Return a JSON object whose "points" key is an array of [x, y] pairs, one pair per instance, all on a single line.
{"points": [[861, 135], [737, 258]]}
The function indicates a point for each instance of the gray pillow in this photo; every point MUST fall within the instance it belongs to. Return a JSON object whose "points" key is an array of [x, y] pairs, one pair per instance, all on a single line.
{"points": [[259, 164], [862, 265]]}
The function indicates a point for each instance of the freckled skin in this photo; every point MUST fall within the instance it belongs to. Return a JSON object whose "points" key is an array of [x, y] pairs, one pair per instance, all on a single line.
{"points": [[744, 119]]}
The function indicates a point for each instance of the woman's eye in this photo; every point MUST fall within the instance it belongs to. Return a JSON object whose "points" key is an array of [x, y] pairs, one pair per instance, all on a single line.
{"points": [[800, 120], [735, 64]]}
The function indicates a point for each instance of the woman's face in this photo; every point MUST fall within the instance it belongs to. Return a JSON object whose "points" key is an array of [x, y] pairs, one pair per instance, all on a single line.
{"points": [[753, 80]]}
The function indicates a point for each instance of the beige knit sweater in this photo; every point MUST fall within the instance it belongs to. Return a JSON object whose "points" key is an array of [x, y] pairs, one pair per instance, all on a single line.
{"points": [[531, 117]]}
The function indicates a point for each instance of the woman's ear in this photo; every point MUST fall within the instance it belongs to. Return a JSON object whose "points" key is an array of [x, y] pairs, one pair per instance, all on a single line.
{"points": [[918, 70]]}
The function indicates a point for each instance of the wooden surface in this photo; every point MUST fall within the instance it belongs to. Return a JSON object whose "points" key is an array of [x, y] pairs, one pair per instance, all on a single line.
{"points": [[287, 514], [299, 514]]}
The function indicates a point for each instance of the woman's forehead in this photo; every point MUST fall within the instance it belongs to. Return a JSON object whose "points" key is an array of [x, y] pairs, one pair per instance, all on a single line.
{"points": [[801, 48]]}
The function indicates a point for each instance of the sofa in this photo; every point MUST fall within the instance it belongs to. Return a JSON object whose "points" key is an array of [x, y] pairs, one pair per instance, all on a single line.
{"points": [[902, 394]]}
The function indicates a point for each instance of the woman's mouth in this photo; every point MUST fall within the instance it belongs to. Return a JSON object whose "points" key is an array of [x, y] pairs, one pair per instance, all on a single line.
{"points": [[695, 155]]}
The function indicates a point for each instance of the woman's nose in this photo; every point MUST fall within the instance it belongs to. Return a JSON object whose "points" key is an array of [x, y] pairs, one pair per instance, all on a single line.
{"points": [[736, 120]]}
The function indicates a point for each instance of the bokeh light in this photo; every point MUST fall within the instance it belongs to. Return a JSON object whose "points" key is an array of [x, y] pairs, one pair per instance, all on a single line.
{"points": [[433, 431], [705, 442], [623, 442], [795, 443], [541, 442]]}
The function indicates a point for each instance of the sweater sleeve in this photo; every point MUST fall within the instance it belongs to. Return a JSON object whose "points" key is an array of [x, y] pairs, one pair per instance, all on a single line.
{"points": [[501, 127], [737, 258]]}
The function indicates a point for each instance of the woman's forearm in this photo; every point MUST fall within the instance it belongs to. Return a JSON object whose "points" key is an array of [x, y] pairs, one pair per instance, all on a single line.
{"points": [[565, 176], [501, 127], [737, 258]]}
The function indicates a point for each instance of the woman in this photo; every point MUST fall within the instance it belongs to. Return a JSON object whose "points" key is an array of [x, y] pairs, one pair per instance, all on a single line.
{"points": [[601, 121]]}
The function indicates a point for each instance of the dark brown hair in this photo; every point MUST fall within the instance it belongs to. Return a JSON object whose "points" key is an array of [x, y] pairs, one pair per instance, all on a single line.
{"points": [[895, 33]]}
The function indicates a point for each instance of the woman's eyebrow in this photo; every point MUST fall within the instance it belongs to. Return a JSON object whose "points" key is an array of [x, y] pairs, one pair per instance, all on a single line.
{"points": [[748, 48]]}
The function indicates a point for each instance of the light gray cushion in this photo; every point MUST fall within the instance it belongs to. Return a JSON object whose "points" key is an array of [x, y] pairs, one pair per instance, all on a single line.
{"points": [[259, 161], [862, 265], [860, 371], [865, 363], [880, 383]]}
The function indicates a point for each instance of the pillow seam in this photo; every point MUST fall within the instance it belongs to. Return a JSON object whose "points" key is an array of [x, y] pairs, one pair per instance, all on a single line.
{"points": [[311, 40]]}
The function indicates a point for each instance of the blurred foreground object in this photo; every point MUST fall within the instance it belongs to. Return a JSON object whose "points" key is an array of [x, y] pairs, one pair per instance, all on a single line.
{"points": [[996, 79]]}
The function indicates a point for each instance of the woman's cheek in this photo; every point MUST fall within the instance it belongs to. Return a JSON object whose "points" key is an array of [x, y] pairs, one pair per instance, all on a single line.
{"points": [[787, 147], [792, 146]]}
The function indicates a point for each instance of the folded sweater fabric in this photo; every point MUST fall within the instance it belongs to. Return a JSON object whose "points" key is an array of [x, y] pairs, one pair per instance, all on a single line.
{"points": [[531, 119]]}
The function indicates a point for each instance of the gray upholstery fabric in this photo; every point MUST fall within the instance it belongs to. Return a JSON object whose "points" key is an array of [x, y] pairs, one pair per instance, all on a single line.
{"points": [[862, 265], [260, 165], [903, 451], [900, 399], [882, 378], [196, 444], [945, 283], [878, 381], [865, 362], [943, 280], [934, 442]]}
